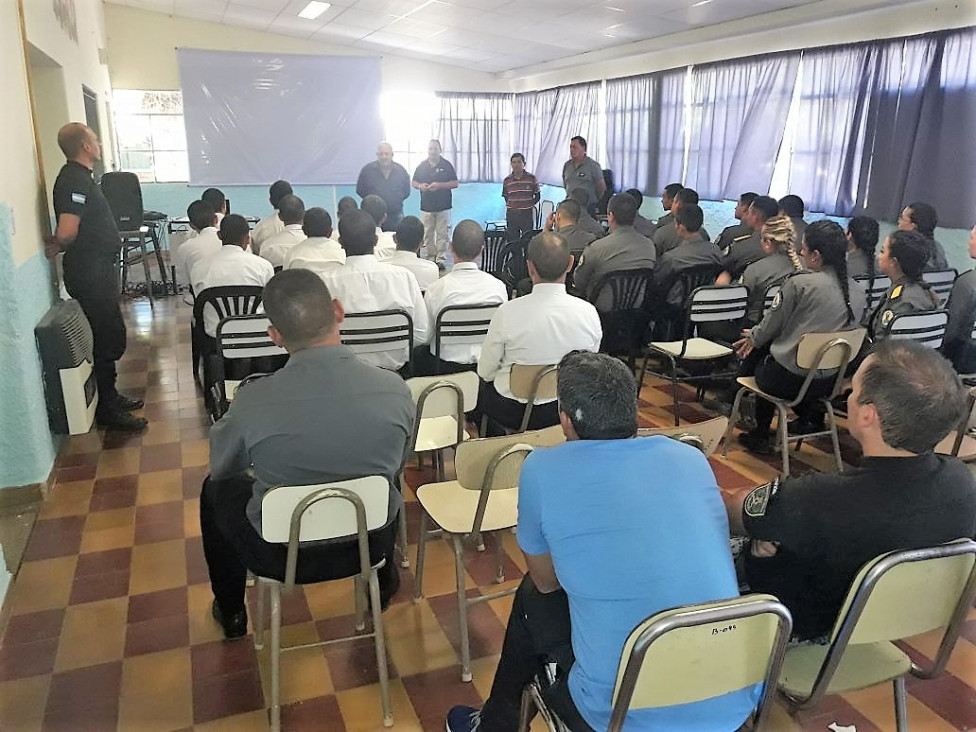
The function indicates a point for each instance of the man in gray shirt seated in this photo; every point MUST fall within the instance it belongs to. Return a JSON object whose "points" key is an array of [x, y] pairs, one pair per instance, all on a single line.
{"points": [[644, 226], [666, 237], [622, 248], [325, 416], [565, 220], [586, 222], [694, 251]]}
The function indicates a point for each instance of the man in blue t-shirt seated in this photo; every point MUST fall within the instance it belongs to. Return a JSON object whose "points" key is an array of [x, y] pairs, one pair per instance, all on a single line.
{"points": [[613, 530]]}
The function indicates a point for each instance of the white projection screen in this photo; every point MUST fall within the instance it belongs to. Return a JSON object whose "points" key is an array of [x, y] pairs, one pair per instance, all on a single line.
{"points": [[252, 118]]}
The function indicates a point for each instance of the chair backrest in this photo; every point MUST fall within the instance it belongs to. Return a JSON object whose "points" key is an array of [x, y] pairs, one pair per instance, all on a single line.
{"points": [[123, 192], [246, 336], [770, 295], [821, 350], [474, 457], [226, 302], [941, 281], [436, 397], [708, 433], [515, 266], [491, 255], [679, 287], [927, 328], [874, 288], [531, 382], [907, 593], [462, 325], [376, 332], [697, 652], [629, 289], [320, 522], [715, 303], [545, 208]]}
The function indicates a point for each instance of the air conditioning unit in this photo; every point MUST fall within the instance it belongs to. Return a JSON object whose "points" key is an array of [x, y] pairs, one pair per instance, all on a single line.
{"points": [[64, 341]]}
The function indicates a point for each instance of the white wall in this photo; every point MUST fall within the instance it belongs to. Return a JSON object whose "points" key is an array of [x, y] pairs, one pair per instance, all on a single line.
{"points": [[142, 53], [850, 21]]}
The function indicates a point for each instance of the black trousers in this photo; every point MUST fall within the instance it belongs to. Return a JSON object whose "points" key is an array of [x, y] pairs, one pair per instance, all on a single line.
{"points": [[108, 335], [426, 363], [538, 633], [232, 546], [509, 412], [519, 221], [392, 220], [779, 381]]}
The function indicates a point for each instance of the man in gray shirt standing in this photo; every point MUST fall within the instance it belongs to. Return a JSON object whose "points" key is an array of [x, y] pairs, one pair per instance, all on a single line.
{"points": [[325, 416], [582, 171]]}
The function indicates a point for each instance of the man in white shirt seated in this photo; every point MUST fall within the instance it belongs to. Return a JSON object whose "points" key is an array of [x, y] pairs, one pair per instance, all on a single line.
{"points": [[291, 211], [216, 198], [203, 245], [385, 243], [409, 237], [319, 252], [232, 266], [535, 329], [366, 285], [270, 225], [465, 284]]}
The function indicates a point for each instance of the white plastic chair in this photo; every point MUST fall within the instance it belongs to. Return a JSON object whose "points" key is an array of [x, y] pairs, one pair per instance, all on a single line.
{"points": [[941, 281], [239, 337], [928, 328]]}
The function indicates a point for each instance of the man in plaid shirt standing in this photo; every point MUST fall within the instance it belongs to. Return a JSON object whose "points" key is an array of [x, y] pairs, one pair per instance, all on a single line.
{"points": [[521, 192]]}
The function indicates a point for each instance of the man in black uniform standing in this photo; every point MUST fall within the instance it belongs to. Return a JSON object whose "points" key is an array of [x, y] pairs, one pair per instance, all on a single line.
{"points": [[87, 234]]}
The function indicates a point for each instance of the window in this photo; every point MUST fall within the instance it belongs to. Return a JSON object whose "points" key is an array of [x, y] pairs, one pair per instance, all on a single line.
{"points": [[409, 119], [150, 135]]}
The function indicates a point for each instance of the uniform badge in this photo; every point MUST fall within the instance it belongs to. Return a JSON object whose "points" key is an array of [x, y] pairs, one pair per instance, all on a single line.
{"points": [[79, 198], [896, 293], [886, 317], [777, 301], [758, 500]]}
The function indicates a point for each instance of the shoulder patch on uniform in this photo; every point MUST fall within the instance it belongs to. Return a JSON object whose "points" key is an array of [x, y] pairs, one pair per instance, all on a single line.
{"points": [[757, 501], [740, 238], [777, 301], [886, 317], [896, 292], [80, 198]]}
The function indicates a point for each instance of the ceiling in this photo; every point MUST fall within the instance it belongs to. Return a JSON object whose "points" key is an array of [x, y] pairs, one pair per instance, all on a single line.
{"points": [[485, 35]]}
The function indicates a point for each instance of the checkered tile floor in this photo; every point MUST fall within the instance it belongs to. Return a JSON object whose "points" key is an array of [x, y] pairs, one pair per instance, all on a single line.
{"points": [[109, 624]]}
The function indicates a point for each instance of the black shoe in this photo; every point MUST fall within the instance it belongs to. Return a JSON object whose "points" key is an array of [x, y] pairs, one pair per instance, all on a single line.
{"points": [[128, 404], [117, 420], [806, 427], [756, 442], [235, 626]]}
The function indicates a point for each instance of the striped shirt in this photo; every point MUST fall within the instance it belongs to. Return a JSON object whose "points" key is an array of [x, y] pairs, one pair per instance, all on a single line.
{"points": [[520, 193]]}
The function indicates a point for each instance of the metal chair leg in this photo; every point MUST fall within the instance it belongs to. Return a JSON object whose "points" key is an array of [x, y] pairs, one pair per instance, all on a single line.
{"points": [[783, 436], [276, 657], [674, 390], [500, 558], [733, 418], [145, 270], [527, 710], [834, 437], [901, 705], [402, 538], [379, 641], [259, 615], [359, 587], [418, 582], [462, 599]]}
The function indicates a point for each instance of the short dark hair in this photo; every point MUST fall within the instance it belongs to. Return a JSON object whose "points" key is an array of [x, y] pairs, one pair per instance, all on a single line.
{"points": [[765, 206], [686, 196], [468, 239], [375, 207], [690, 216], [299, 306], [317, 222], [201, 215], [637, 195], [580, 139], [409, 234], [581, 196], [864, 231], [599, 395], [624, 209], [345, 205], [279, 189], [671, 189], [215, 197], [357, 233], [570, 208], [549, 253], [792, 206], [520, 156], [918, 395], [233, 229], [925, 218], [912, 249], [747, 198], [291, 209]]}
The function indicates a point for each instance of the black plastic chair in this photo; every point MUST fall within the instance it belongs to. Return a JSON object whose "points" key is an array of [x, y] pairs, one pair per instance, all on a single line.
{"points": [[225, 302], [491, 255], [621, 299]]}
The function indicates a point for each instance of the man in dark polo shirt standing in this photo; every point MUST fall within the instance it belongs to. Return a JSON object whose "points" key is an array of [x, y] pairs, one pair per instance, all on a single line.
{"points": [[435, 179], [582, 171], [388, 180], [521, 192], [812, 534], [87, 234]]}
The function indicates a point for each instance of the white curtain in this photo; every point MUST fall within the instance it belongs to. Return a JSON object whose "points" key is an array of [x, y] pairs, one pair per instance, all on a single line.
{"points": [[475, 131]]}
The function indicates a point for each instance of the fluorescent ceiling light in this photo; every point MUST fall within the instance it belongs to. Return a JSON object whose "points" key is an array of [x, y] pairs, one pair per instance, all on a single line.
{"points": [[700, 3], [616, 10], [313, 10], [418, 8]]}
